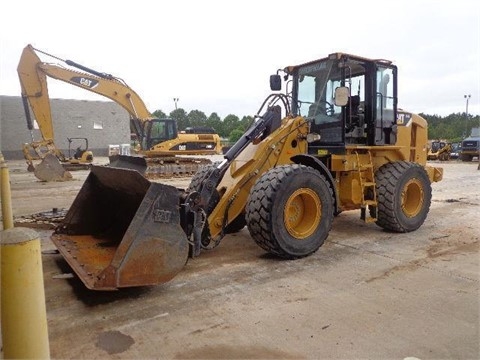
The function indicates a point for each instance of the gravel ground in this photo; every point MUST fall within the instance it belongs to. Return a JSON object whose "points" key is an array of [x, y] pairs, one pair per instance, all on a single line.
{"points": [[366, 293]]}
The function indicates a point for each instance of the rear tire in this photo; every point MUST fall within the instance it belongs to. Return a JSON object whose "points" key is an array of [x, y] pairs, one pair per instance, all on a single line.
{"points": [[289, 211], [404, 194]]}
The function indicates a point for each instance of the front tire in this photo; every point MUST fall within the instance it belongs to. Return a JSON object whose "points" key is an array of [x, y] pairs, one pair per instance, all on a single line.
{"points": [[404, 194], [466, 157], [289, 211], [196, 185]]}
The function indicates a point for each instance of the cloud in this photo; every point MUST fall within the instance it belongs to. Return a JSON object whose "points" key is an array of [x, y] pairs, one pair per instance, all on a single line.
{"points": [[217, 56]]}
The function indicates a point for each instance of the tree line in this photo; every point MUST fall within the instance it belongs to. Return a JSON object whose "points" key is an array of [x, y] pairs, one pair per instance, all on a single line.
{"points": [[454, 127], [231, 127]]}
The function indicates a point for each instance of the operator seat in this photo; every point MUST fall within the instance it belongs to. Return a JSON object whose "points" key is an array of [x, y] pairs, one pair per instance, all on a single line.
{"points": [[352, 113], [353, 104]]}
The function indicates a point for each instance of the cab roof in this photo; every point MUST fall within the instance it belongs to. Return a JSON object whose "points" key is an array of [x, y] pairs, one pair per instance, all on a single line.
{"points": [[338, 55]]}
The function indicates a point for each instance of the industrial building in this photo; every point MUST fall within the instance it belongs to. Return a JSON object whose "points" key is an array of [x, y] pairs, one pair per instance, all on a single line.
{"points": [[103, 123]]}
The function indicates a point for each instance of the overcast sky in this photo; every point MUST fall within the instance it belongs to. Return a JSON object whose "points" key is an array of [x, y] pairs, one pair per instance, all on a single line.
{"points": [[217, 56]]}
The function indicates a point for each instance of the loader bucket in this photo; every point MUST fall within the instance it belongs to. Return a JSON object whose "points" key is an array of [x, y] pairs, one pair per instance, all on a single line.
{"points": [[50, 169], [122, 231]]}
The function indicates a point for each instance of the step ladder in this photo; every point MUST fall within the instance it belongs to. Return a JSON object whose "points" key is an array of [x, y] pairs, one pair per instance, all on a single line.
{"points": [[367, 184]]}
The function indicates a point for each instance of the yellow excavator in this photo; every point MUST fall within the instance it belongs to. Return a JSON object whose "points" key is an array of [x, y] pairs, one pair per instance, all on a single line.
{"points": [[335, 141], [159, 139]]}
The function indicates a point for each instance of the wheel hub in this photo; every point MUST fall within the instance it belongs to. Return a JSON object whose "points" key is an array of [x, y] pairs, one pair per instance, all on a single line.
{"points": [[303, 211], [412, 198]]}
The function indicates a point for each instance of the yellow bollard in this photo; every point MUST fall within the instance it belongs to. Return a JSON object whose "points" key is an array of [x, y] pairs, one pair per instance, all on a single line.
{"points": [[5, 195], [24, 317]]}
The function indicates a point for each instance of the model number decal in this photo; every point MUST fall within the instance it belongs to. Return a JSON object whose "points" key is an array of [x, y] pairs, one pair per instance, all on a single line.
{"points": [[403, 118], [162, 216]]}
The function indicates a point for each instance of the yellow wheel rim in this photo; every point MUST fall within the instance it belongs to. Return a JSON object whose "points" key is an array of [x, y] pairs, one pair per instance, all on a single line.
{"points": [[412, 198], [303, 211]]}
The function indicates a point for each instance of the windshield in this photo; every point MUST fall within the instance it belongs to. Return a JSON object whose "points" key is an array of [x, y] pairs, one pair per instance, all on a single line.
{"points": [[157, 131], [315, 92], [316, 84]]}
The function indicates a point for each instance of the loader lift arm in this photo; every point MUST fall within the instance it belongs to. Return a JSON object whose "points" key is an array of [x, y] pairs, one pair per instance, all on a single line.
{"points": [[198, 202]]}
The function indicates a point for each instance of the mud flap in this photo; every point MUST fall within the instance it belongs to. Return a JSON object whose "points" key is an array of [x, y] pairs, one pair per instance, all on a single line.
{"points": [[123, 230], [50, 169]]}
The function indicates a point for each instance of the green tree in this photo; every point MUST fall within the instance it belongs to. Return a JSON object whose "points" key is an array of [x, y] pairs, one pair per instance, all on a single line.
{"points": [[159, 114], [453, 127], [235, 135], [180, 116], [230, 123], [246, 122], [215, 122], [197, 118]]}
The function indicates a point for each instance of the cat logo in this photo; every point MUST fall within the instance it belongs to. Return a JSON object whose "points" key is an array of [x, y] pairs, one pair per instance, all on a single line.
{"points": [[84, 81]]}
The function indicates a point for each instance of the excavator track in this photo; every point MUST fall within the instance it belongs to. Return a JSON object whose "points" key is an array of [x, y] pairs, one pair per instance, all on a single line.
{"points": [[160, 167], [172, 166]]}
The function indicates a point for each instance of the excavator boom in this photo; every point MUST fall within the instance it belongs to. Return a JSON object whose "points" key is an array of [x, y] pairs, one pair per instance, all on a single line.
{"points": [[159, 139]]}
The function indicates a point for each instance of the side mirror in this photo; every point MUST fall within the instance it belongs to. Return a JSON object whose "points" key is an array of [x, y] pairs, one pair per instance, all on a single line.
{"points": [[275, 82], [341, 95]]}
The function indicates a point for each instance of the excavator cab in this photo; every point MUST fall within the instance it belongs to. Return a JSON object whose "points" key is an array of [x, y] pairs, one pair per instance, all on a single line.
{"points": [[157, 131]]}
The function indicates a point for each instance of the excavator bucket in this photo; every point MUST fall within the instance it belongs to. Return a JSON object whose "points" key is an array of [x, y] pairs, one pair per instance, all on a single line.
{"points": [[50, 169], [122, 231]]}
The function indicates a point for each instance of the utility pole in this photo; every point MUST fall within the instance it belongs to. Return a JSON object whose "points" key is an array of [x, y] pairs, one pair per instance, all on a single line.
{"points": [[175, 100], [467, 97]]}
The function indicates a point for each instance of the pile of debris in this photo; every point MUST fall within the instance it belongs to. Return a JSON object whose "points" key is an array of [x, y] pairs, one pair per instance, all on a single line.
{"points": [[42, 220]]}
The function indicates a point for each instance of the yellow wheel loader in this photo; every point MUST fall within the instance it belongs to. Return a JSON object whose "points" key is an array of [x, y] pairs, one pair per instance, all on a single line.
{"points": [[439, 150], [159, 139], [336, 141]]}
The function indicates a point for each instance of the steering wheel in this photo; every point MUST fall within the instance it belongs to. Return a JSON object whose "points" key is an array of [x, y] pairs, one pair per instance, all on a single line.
{"points": [[329, 108]]}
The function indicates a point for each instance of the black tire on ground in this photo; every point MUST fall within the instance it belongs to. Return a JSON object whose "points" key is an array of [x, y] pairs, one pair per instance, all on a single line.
{"points": [[404, 194], [466, 157], [200, 176], [196, 185], [236, 225], [197, 181], [289, 211]]}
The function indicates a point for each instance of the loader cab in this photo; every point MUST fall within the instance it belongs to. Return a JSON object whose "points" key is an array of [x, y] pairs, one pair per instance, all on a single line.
{"points": [[348, 99], [157, 131]]}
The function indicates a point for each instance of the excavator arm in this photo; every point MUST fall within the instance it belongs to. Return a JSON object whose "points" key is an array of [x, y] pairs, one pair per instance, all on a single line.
{"points": [[33, 74], [158, 139]]}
